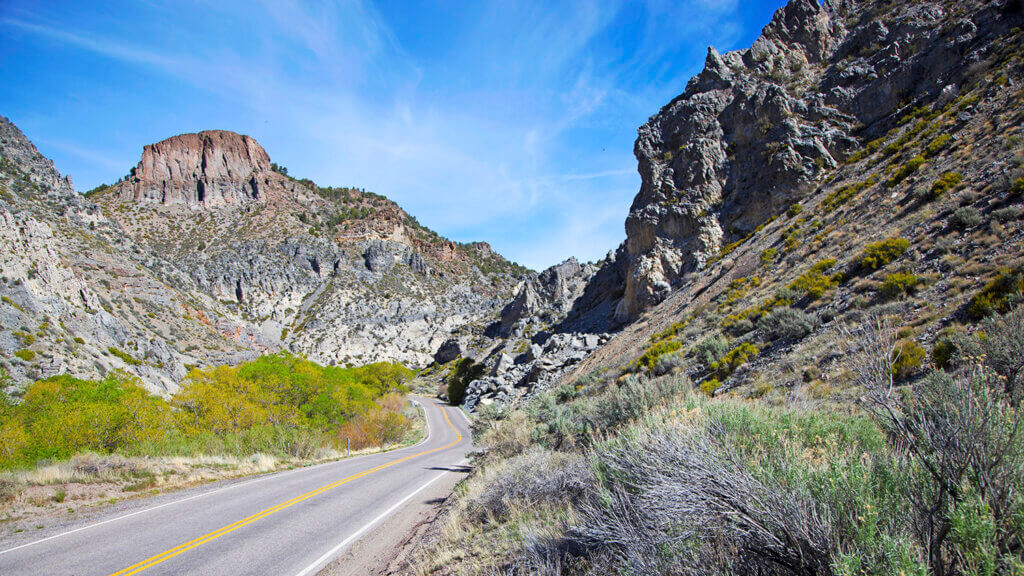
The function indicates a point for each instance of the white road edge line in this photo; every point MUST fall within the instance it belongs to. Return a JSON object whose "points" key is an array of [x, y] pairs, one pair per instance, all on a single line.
{"points": [[194, 496], [333, 551]]}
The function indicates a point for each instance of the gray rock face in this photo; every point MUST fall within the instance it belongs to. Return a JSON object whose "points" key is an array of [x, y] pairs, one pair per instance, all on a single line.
{"points": [[547, 298], [541, 367], [26, 159], [757, 129], [80, 297]]}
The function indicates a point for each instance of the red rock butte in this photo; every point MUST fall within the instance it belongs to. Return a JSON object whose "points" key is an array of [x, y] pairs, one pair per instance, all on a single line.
{"points": [[207, 169]]}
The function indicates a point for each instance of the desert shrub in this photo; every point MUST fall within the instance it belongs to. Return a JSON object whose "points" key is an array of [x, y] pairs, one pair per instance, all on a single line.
{"points": [[466, 370], [844, 194], [26, 354], [768, 255], [958, 440], [964, 451], [650, 356], [878, 254], [794, 210], [668, 363], [1017, 188], [711, 350], [907, 169], [575, 424], [899, 284], [814, 283], [907, 359], [945, 183], [740, 327], [735, 358], [727, 495], [1002, 347], [965, 217], [1008, 214], [538, 477], [999, 294], [787, 323], [936, 145]]}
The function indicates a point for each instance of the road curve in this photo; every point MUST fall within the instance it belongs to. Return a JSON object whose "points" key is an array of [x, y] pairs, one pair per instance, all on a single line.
{"points": [[288, 524]]}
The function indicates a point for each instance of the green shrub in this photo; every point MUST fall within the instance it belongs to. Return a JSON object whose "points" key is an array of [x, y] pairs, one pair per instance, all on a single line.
{"points": [[734, 358], [794, 210], [814, 283], [845, 194], [878, 254], [945, 183], [787, 323], [899, 284], [999, 294], [711, 350], [768, 255], [670, 332], [965, 217], [936, 145], [944, 351], [466, 370], [26, 354], [657, 350], [79, 340], [1017, 188], [907, 169], [124, 356], [907, 358], [710, 385]]}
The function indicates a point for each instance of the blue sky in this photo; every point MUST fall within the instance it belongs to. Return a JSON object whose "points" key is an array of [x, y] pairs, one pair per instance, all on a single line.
{"points": [[510, 122]]}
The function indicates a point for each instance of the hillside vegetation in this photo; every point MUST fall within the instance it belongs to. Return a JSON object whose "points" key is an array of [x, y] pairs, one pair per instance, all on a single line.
{"points": [[278, 404], [646, 476]]}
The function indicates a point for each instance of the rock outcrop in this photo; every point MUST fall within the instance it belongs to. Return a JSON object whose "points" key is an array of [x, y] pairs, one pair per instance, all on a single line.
{"points": [[758, 129], [208, 169], [341, 275]]}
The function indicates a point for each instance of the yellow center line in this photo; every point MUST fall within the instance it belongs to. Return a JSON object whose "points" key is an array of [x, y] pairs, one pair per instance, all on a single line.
{"points": [[150, 562]]}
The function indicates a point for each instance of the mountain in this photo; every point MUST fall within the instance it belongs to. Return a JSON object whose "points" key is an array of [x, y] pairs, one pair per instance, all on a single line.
{"points": [[209, 253], [845, 124], [815, 324], [81, 297]]}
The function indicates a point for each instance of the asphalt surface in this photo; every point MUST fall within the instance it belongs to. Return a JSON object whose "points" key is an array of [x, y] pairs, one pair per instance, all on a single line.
{"points": [[290, 523]]}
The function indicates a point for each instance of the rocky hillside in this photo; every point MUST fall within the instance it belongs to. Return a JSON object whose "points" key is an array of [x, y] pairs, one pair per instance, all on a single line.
{"points": [[78, 296], [844, 124], [208, 253], [861, 158], [340, 274]]}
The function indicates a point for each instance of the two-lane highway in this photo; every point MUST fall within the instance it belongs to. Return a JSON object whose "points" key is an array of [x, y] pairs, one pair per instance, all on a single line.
{"points": [[289, 523]]}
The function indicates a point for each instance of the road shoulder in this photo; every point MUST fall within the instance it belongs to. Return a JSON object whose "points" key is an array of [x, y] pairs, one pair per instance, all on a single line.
{"points": [[387, 548]]}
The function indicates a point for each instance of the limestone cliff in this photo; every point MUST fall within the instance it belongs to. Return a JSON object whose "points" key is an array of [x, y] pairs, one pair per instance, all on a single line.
{"points": [[759, 129]]}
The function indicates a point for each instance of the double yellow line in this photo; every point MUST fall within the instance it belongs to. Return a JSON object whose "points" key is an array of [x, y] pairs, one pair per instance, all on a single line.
{"points": [[150, 562]]}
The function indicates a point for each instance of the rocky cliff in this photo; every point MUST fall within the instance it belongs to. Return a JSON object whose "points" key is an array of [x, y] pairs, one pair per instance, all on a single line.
{"points": [[205, 170], [860, 160], [78, 296], [759, 129], [340, 274]]}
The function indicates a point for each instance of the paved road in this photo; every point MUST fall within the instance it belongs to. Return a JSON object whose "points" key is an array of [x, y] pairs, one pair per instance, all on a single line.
{"points": [[289, 523]]}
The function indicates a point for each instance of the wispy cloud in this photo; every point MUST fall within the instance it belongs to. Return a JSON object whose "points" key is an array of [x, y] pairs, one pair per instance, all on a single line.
{"points": [[508, 122]]}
